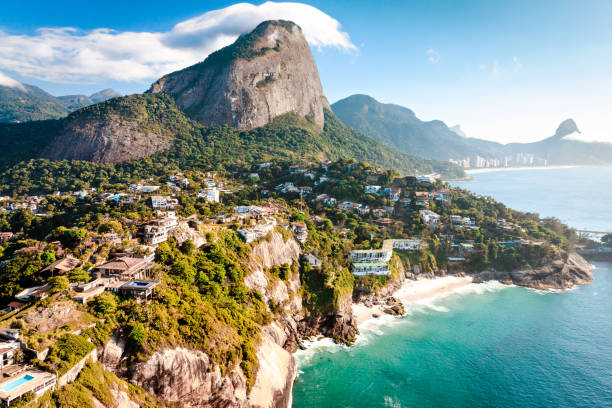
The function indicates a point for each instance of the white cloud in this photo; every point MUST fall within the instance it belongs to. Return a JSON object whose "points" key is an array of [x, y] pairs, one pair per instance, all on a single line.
{"points": [[10, 82], [517, 64], [433, 56], [69, 55]]}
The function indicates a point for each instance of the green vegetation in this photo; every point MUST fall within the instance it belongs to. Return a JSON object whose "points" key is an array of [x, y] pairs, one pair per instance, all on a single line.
{"points": [[65, 353], [194, 146], [28, 103], [201, 303], [95, 382]]}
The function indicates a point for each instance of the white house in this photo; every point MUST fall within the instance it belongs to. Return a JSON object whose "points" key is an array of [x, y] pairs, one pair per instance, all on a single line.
{"points": [[429, 217], [163, 203], [370, 268], [210, 194]]}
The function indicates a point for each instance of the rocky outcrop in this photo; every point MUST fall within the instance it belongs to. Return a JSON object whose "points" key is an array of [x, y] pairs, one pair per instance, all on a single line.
{"points": [[120, 129], [274, 250], [112, 352], [264, 74], [105, 141], [563, 272], [277, 371], [189, 377]]}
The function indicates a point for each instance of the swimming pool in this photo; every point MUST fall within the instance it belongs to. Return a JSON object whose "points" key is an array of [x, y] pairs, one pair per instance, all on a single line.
{"points": [[16, 383]]}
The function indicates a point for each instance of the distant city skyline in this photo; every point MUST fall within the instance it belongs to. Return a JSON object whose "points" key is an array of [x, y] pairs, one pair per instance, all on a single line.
{"points": [[503, 71]]}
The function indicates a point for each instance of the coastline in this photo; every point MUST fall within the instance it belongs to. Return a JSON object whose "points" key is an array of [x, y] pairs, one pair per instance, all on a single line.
{"points": [[411, 292], [496, 169]]}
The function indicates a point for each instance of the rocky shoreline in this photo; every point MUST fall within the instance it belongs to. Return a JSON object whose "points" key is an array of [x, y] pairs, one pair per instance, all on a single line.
{"points": [[189, 377]]}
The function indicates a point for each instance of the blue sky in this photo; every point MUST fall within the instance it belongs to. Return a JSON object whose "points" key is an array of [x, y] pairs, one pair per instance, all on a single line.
{"points": [[505, 71]]}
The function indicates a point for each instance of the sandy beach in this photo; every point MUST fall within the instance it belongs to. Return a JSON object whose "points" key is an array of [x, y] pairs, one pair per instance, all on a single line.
{"points": [[412, 292]]}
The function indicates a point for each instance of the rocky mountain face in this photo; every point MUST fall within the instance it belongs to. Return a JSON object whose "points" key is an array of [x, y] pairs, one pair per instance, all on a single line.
{"points": [[264, 74], [115, 131]]}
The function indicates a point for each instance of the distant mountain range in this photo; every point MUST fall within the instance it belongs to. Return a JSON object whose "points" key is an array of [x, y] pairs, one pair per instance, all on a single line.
{"points": [[24, 103], [255, 100], [399, 127]]}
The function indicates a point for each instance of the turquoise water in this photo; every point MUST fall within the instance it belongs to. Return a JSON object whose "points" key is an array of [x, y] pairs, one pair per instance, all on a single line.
{"points": [[16, 383], [491, 345], [580, 197]]}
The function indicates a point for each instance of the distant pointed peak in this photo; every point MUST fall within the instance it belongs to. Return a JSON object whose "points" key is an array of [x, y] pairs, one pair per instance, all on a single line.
{"points": [[567, 127]]}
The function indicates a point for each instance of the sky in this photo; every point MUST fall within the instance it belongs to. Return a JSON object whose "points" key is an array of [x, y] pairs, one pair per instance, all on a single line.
{"points": [[509, 71]]}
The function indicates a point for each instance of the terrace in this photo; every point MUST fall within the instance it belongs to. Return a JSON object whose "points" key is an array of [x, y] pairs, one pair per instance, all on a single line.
{"points": [[34, 381]]}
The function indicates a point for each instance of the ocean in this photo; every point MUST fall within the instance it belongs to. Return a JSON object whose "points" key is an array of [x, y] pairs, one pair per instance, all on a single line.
{"points": [[487, 345]]}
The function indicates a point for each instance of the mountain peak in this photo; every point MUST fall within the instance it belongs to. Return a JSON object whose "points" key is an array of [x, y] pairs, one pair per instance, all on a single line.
{"points": [[104, 95], [265, 73], [567, 127]]}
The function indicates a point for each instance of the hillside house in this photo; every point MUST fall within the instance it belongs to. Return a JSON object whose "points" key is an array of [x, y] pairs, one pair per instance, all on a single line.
{"points": [[138, 289], [163, 203], [211, 195], [33, 294], [125, 268], [32, 380], [300, 231], [429, 218], [62, 266]]}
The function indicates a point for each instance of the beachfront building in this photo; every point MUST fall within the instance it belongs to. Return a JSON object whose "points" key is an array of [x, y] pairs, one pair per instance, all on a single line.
{"points": [[370, 268], [34, 381], [371, 255], [375, 261]]}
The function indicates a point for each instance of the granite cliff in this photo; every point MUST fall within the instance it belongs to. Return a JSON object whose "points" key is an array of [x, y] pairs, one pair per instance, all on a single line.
{"points": [[264, 74]]}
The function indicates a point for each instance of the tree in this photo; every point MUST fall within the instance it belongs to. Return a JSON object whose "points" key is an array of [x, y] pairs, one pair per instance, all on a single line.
{"points": [[78, 275], [58, 284], [104, 304], [188, 247], [137, 334]]}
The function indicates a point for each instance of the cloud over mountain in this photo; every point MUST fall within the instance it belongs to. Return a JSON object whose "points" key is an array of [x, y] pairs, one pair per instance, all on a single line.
{"points": [[10, 82], [70, 55]]}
